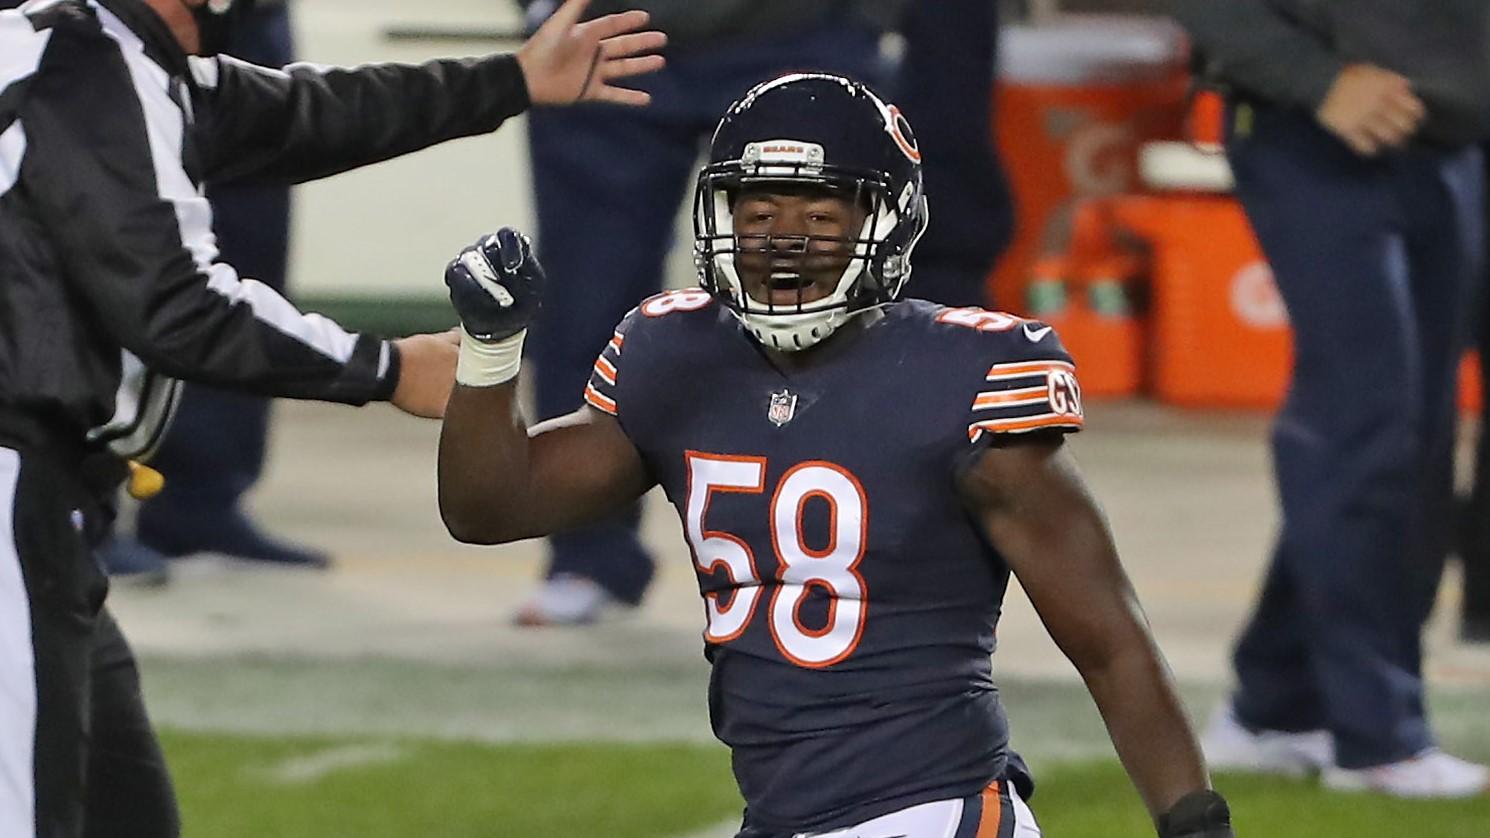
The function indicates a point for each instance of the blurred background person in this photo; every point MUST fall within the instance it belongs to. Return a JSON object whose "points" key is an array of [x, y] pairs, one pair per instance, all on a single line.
{"points": [[608, 185], [1353, 139], [944, 84], [214, 451], [1474, 521]]}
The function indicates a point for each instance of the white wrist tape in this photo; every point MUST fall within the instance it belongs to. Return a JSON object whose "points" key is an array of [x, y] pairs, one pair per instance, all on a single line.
{"points": [[487, 364]]}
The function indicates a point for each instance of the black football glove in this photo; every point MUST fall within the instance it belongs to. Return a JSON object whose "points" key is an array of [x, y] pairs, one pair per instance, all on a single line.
{"points": [[496, 285], [1199, 814]]}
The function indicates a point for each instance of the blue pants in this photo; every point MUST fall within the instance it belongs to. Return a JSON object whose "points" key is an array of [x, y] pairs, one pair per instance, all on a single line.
{"points": [[1374, 259], [945, 87], [214, 451], [607, 182]]}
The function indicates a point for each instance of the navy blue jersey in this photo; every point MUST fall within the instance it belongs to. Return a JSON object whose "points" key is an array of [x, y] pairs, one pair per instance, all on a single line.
{"points": [[850, 598]]}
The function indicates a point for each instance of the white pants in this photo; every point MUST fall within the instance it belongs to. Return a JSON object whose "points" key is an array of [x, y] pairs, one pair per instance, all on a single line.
{"points": [[1002, 815]]}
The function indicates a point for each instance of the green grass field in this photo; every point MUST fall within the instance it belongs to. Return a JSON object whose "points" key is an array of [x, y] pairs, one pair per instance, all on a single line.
{"points": [[320, 787]]}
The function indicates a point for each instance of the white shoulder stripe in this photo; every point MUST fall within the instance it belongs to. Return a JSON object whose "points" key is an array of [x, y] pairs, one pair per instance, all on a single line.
{"points": [[12, 149], [250, 67], [204, 71], [166, 127], [21, 47]]}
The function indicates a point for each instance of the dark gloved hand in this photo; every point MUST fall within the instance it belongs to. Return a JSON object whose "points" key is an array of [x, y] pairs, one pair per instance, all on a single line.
{"points": [[1199, 814], [496, 285]]}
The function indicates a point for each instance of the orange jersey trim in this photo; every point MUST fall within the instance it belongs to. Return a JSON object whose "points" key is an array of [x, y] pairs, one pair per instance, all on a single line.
{"points": [[606, 370], [999, 372], [599, 400], [1011, 398], [1027, 423]]}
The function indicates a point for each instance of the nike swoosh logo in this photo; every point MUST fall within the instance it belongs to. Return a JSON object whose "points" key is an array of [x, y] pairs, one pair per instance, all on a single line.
{"points": [[1036, 335]]}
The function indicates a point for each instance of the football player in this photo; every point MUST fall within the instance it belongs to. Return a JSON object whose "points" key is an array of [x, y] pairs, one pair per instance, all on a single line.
{"points": [[857, 474]]}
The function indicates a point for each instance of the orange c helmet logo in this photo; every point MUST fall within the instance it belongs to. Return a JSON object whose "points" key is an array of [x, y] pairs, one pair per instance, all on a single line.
{"points": [[900, 129]]}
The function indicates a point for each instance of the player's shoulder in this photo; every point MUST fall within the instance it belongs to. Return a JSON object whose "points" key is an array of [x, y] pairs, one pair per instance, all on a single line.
{"points": [[1012, 372], [992, 337], [671, 311], [655, 342]]}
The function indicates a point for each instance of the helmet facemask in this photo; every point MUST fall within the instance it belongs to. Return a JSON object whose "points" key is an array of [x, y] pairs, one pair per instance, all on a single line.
{"points": [[877, 258]]}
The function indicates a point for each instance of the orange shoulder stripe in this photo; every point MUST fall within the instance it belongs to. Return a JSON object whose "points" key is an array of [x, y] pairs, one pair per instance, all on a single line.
{"points": [[1001, 371], [1020, 397], [606, 370], [599, 400]]}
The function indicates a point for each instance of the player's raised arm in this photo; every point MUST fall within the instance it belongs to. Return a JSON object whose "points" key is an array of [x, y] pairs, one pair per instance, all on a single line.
{"points": [[1037, 511], [499, 480]]}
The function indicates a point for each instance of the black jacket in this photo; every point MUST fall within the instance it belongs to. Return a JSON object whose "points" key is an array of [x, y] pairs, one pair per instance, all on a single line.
{"points": [[1289, 51], [110, 285]]}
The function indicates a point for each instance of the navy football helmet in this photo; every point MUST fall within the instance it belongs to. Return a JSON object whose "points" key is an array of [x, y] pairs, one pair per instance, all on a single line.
{"points": [[812, 129]]}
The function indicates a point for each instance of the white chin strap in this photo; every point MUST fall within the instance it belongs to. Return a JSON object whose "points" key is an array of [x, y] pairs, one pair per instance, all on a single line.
{"points": [[793, 332]]}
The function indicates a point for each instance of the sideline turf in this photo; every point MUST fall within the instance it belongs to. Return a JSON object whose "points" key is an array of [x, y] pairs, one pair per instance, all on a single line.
{"points": [[230, 788], [233, 786], [1095, 799]]}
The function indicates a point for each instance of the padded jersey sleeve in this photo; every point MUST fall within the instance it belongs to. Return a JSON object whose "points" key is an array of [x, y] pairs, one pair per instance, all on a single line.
{"points": [[602, 390], [1022, 379]]}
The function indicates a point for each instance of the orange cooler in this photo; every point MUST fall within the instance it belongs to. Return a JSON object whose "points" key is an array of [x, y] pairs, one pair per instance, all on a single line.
{"points": [[1075, 99], [1219, 333]]}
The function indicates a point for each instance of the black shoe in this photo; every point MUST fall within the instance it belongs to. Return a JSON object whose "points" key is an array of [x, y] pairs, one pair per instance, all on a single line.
{"points": [[234, 536], [131, 562]]}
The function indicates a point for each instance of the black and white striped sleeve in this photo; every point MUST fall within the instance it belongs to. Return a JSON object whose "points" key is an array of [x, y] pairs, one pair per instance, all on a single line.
{"points": [[135, 235], [308, 121]]}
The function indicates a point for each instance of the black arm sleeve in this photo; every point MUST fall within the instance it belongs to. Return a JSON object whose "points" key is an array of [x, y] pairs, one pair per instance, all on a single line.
{"points": [[1261, 50], [306, 122], [134, 236]]}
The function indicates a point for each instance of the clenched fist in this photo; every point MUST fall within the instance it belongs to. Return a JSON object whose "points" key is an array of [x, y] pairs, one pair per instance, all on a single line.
{"points": [[496, 285]]}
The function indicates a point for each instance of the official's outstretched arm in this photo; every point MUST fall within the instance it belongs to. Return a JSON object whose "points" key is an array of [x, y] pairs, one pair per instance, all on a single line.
{"points": [[1036, 510], [124, 220], [307, 121]]}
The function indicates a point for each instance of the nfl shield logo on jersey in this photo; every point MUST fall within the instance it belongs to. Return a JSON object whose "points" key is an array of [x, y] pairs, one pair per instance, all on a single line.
{"points": [[783, 407]]}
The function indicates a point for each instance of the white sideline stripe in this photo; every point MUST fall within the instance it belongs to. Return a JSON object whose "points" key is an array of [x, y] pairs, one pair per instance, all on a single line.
{"points": [[723, 829], [315, 766], [17, 671]]}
